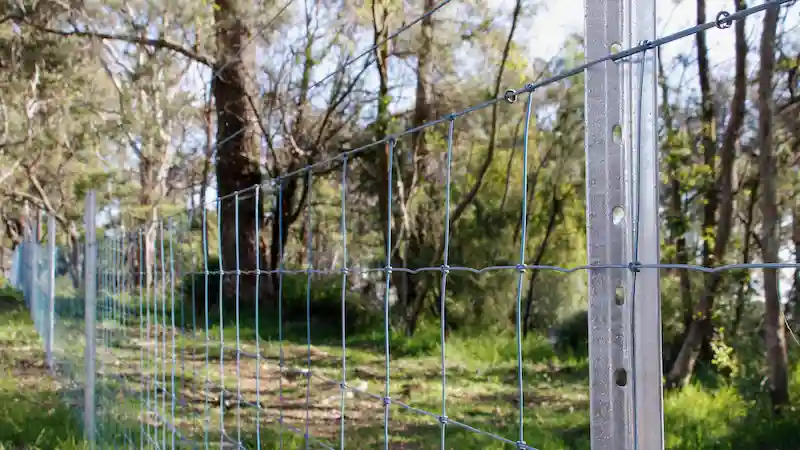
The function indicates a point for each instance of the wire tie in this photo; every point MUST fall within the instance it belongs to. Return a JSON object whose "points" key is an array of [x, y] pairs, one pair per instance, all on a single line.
{"points": [[510, 96], [723, 20]]}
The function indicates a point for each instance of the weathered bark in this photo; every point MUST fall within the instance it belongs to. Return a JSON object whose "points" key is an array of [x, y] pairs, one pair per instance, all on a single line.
{"points": [[677, 221], [206, 172], [238, 148], [414, 290], [556, 204], [719, 196], [795, 298], [741, 294], [774, 330]]}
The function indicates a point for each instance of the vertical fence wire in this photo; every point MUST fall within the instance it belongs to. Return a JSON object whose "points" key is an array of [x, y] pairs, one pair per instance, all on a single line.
{"points": [[443, 287], [142, 338], [220, 299], [345, 272], [172, 330], [163, 335], [388, 269], [258, 211], [309, 272], [281, 359], [237, 306], [523, 243]]}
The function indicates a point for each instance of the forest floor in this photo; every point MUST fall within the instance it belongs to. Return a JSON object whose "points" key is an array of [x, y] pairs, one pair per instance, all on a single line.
{"points": [[32, 414], [242, 397], [196, 389]]}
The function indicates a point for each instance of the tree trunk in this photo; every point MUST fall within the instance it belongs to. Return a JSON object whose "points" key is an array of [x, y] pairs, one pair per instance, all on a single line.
{"points": [[795, 298], [238, 148], [774, 330], [744, 285], [414, 288], [719, 196], [209, 153], [555, 212]]}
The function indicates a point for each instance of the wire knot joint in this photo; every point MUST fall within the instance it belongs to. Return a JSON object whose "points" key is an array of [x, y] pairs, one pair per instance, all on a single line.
{"points": [[387, 401], [510, 96], [445, 269], [520, 268], [443, 419], [723, 20], [634, 266]]}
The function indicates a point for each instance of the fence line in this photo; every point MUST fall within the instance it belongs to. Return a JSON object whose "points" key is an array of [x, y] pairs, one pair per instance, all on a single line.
{"points": [[135, 283]]}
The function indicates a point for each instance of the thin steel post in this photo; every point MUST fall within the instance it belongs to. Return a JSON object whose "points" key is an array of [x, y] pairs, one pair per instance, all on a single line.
{"points": [[33, 267], [624, 322], [24, 255], [90, 299], [642, 108], [51, 291]]}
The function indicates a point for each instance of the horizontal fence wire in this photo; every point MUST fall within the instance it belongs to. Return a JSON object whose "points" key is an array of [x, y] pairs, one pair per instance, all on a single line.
{"points": [[173, 374]]}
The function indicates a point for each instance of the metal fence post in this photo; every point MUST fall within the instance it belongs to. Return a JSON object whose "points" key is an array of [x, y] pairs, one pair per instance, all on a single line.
{"points": [[642, 108], [32, 274], [51, 291], [90, 303], [624, 330]]}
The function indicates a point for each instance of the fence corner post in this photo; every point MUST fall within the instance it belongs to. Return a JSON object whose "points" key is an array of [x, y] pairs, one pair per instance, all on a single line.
{"points": [[51, 292], [90, 316]]}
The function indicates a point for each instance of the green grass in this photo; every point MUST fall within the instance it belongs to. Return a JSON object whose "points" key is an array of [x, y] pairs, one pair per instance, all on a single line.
{"points": [[32, 414]]}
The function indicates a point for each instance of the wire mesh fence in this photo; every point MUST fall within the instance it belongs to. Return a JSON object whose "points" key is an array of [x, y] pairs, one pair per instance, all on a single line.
{"points": [[208, 335]]}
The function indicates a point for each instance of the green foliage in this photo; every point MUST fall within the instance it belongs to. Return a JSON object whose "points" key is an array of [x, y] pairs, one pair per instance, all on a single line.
{"points": [[696, 418], [32, 414], [325, 301], [573, 334], [725, 419], [9, 295]]}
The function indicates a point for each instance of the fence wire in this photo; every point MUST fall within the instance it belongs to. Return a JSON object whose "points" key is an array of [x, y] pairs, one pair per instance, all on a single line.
{"points": [[173, 373]]}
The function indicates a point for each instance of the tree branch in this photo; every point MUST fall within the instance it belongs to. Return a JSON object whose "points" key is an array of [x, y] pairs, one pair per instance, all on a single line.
{"points": [[132, 39]]}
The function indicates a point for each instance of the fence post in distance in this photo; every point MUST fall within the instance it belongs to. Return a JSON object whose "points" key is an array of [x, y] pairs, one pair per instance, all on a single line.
{"points": [[51, 292], [90, 303]]}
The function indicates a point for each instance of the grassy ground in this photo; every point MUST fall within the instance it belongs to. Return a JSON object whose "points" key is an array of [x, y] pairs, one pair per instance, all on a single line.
{"points": [[162, 387], [32, 414]]}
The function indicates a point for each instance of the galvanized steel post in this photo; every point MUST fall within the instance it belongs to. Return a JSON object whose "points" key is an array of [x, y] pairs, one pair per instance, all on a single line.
{"points": [[90, 303], [51, 291], [622, 203]]}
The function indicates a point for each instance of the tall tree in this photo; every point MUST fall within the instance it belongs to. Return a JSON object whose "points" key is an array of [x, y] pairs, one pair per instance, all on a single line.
{"points": [[774, 326], [239, 149], [718, 209]]}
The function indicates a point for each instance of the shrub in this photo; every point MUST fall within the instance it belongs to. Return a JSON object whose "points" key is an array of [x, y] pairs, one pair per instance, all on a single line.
{"points": [[325, 301], [573, 334]]}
